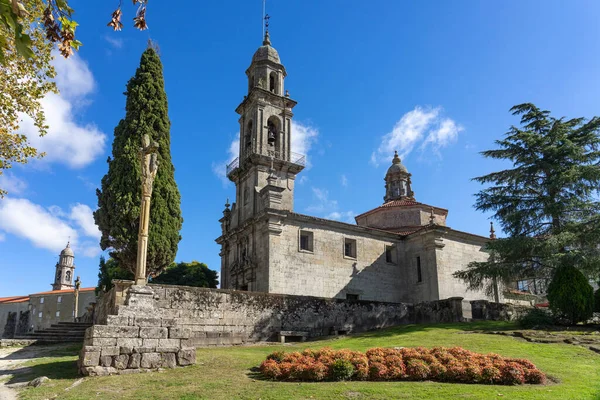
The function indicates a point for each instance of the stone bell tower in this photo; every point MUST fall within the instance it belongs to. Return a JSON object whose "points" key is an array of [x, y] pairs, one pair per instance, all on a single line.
{"points": [[265, 136], [397, 182], [64, 270]]}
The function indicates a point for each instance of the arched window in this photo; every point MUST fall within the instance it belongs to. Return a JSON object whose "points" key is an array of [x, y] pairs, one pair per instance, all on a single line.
{"points": [[68, 276], [273, 83]]}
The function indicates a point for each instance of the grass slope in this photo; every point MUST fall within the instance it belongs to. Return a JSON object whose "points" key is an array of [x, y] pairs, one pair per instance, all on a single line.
{"points": [[225, 373]]}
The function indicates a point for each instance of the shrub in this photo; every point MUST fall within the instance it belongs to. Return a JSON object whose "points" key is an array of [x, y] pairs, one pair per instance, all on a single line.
{"points": [[597, 301], [417, 370], [341, 370], [440, 364], [536, 318], [570, 295]]}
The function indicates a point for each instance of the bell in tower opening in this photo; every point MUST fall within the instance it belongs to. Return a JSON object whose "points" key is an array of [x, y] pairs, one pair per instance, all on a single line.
{"points": [[272, 129]]}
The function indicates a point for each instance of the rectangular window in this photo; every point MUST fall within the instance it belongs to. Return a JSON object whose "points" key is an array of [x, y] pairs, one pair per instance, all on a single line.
{"points": [[40, 315], [59, 299], [58, 313], [350, 248], [419, 272], [390, 254], [41, 300], [306, 241], [351, 296], [523, 286]]}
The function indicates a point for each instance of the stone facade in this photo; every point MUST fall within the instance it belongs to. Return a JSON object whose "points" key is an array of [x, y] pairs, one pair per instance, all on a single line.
{"points": [[399, 251]]}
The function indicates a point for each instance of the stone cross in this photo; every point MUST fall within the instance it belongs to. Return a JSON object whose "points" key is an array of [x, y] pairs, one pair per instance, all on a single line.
{"points": [[77, 286], [149, 160]]}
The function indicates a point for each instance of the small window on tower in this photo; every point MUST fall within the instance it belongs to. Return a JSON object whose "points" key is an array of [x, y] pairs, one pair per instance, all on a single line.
{"points": [[419, 271], [350, 248], [58, 313], [40, 314], [59, 299], [41, 300], [306, 241], [272, 82]]}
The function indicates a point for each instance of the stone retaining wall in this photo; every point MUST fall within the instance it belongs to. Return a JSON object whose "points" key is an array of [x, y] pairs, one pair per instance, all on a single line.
{"points": [[159, 326]]}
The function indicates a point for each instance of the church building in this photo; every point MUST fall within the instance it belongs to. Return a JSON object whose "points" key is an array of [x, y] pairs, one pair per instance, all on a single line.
{"points": [[400, 251]]}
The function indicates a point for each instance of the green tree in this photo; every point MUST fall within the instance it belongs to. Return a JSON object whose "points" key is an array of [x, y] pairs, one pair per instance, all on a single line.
{"points": [[570, 295], [188, 274], [110, 270], [119, 199], [547, 203], [597, 300]]}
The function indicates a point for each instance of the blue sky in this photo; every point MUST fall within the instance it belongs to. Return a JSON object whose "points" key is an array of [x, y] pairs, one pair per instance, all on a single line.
{"points": [[432, 79]]}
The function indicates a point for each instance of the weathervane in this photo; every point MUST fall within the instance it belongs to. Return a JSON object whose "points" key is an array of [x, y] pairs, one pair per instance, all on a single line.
{"points": [[267, 18]]}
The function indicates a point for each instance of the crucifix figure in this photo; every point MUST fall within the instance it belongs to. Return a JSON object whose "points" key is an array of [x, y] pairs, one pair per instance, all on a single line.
{"points": [[149, 160]]}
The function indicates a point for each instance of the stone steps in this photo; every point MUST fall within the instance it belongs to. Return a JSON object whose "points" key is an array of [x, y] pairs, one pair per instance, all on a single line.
{"points": [[58, 333]]}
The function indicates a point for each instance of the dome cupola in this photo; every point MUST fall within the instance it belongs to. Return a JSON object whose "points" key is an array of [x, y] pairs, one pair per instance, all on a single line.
{"points": [[397, 181]]}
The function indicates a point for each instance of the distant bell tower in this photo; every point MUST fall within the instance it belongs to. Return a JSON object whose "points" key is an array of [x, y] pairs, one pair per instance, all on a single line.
{"points": [[265, 136], [63, 278]]}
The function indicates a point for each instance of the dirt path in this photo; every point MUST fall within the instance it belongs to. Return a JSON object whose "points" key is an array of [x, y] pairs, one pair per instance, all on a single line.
{"points": [[11, 360]]}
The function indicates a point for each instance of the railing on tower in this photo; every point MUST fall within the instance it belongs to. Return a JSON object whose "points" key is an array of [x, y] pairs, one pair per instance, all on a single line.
{"points": [[295, 158]]}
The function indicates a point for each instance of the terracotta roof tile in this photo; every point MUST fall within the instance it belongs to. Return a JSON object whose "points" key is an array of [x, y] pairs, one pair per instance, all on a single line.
{"points": [[400, 203], [13, 299], [64, 291]]}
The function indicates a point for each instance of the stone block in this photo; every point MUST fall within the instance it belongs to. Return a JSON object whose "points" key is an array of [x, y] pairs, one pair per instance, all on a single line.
{"points": [[121, 361], [154, 333], [169, 343], [90, 358], [104, 342], [111, 351], [106, 331], [168, 322], [121, 320], [134, 361], [167, 349], [98, 371], [129, 342], [186, 357], [126, 350], [151, 360], [144, 349], [168, 360], [106, 361], [179, 333], [147, 321], [149, 343], [92, 348]]}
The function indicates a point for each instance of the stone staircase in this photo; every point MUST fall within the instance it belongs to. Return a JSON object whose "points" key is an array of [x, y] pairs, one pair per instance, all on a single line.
{"points": [[59, 333]]}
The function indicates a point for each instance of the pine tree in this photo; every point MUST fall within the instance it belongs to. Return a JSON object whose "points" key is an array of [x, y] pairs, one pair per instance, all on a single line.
{"points": [[110, 270], [547, 204], [119, 199]]}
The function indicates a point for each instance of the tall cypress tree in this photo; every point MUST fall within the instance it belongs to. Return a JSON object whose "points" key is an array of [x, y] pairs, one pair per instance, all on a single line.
{"points": [[119, 199]]}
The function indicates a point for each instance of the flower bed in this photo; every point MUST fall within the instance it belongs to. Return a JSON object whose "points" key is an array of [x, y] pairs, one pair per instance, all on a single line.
{"points": [[416, 364]]}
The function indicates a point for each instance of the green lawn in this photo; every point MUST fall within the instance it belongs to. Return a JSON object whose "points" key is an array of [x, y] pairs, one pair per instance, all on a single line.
{"points": [[225, 373]]}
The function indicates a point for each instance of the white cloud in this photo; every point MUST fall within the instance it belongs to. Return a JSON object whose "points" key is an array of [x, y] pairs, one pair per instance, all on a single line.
{"points": [[219, 168], [25, 219], [303, 137], [344, 216], [344, 181], [328, 208], [68, 141], [83, 216], [420, 125], [49, 228], [303, 179], [2, 237], [12, 184], [114, 41]]}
